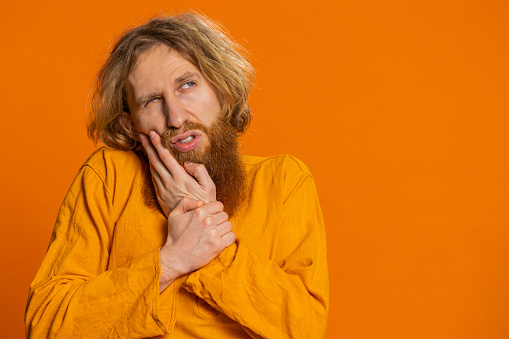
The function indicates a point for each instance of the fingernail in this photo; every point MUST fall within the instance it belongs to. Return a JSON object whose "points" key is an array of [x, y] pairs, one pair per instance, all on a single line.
{"points": [[188, 163], [152, 134]]}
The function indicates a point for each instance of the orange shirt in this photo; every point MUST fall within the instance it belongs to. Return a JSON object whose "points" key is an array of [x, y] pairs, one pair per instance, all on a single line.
{"points": [[100, 275]]}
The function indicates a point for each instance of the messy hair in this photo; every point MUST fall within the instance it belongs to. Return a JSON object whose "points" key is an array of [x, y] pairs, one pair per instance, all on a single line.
{"points": [[197, 39]]}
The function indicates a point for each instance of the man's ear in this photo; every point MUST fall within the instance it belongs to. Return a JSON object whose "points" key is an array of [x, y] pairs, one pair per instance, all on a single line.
{"points": [[127, 123]]}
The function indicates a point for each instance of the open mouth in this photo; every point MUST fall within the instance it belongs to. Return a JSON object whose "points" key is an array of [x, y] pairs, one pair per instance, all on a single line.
{"points": [[187, 141]]}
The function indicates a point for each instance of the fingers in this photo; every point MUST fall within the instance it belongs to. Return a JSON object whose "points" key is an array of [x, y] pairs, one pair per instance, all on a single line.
{"points": [[224, 228], [156, 178], [221, 236], [186, 205], [211, 208], [160, 157], [153, 157], [217, 219], [228, 239], [221, 217], [164, 154], [200, 173]]}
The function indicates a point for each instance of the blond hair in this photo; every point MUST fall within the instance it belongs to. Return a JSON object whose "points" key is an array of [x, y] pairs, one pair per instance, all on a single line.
{"points": [[199, 40]]}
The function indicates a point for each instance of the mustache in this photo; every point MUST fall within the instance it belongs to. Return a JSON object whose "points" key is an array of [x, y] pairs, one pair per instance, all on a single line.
{"points": [[172, 131]]}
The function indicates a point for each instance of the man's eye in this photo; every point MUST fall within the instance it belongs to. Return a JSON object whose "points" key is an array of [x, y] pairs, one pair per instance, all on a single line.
{"points": [[188, 84], [152, 100]]}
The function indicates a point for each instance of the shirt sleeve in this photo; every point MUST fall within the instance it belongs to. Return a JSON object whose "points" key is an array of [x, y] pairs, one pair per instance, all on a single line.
{"points": [[74, 295], [283, 298]]}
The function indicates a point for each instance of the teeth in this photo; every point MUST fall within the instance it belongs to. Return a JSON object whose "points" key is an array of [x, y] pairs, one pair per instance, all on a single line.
{"points": [[189, 138]]}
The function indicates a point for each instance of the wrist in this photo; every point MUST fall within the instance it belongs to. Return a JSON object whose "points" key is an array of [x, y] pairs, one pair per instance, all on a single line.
{"points": [[170, 269]]}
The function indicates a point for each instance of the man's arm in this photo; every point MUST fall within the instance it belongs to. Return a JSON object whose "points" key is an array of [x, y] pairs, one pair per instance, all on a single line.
{"points": [[284, 298], [75, 295]]}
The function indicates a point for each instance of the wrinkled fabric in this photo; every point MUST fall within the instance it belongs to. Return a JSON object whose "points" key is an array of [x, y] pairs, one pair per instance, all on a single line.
{"points": [[100, 275]]}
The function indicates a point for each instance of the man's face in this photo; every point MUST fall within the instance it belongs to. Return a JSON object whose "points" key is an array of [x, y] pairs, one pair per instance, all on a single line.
{"points": [[168, 94]]}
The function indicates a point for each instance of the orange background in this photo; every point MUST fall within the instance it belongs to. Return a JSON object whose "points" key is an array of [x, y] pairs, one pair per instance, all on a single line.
{"points": [[399, 108]]}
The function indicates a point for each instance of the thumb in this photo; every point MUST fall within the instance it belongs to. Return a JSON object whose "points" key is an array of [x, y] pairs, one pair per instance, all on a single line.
{"points": [[199, 172], [187, 204]]}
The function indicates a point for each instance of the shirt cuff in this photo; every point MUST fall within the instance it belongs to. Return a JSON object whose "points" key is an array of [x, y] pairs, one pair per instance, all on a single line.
{"points": [[165, 303]]}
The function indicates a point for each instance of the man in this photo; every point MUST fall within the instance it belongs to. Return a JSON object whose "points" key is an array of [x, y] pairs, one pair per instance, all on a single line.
{"points": [[169, 230]]}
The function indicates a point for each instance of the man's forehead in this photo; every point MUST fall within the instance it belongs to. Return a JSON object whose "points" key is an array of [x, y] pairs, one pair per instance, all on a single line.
{"points": [[157, 68], [157, 59]]}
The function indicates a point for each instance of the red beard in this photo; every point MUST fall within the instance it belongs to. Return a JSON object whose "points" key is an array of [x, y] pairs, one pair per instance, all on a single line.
{"points": [[221, 159]]}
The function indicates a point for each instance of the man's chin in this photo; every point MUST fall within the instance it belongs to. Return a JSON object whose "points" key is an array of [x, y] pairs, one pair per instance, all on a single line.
{"points": [[197, 155], [218, 152]]}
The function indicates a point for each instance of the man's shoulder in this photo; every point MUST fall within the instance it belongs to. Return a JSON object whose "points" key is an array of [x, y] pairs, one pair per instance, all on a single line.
{"points": [[285, 164], [280, 174], [106, 160]]}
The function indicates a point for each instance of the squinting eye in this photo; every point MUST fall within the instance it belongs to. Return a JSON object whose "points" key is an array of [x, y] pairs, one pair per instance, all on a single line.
{"points": [[152, 100], [188, 85]]}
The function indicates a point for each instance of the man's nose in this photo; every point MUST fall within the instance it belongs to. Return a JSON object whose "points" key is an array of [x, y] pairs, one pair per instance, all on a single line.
{"points": [[176, 115]]}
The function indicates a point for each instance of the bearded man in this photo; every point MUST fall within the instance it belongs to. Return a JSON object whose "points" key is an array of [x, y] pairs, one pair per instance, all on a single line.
{"points": [[168, 230]]}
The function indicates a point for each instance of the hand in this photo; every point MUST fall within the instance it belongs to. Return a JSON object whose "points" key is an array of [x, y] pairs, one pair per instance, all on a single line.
{"points": [[173, 182], [197, 233]]}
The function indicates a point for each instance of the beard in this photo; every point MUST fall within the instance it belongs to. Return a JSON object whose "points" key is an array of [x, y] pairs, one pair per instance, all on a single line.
{"points": [[221, 159]]}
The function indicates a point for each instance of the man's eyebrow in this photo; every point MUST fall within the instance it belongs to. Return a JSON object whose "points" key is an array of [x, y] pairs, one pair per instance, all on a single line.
{"points": [[142, 100], [186, 75]]}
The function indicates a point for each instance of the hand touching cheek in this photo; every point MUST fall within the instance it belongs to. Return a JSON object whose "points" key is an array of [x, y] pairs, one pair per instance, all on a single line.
{"points": [[171, 181]]}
